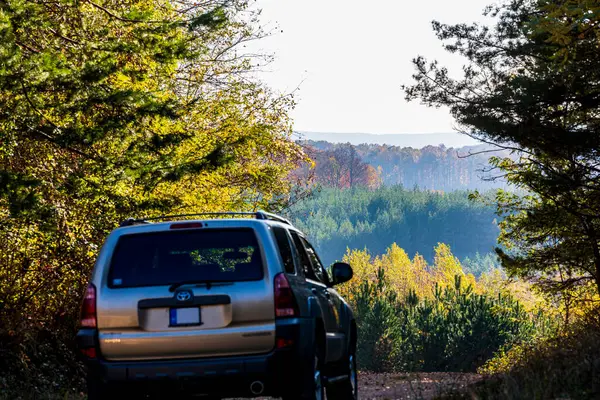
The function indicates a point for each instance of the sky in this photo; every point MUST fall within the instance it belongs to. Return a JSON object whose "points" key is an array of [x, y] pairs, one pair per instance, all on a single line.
{"points": [[347, 60]]}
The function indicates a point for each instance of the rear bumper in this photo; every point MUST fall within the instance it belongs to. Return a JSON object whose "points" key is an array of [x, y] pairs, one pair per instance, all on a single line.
{"points": [[280, 371]]}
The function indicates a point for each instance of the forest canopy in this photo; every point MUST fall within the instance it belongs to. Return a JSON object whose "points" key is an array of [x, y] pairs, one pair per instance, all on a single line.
{"points": [[337, 219]]}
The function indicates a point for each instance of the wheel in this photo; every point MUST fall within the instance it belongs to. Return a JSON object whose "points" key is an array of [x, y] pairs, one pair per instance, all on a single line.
{"points": [[348, 388], [318, 387], [98, 390], [313, 386]]}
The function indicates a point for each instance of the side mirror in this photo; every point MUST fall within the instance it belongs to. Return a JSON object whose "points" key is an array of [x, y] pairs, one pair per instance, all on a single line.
{"points": [[341, 272]]}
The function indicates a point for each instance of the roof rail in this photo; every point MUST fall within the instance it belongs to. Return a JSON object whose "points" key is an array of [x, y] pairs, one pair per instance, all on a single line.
{"points": [[272, 217], [262, 215], [133, 221]]}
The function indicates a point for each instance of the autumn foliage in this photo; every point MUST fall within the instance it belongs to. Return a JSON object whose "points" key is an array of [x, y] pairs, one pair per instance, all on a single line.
{"points": [[340, 167]]}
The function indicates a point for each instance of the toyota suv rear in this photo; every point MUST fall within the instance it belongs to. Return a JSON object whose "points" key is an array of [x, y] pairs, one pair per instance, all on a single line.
{"points": [[236, 305]]}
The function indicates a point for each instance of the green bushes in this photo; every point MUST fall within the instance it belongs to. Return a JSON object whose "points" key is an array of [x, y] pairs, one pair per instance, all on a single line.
{"points": [[456, 330]]}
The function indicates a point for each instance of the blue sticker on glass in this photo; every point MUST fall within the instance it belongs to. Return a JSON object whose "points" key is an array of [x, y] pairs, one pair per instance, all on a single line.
{"points": [[173, 316], [117, 282]]}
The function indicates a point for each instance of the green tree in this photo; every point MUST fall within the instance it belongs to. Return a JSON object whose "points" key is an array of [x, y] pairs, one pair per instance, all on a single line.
{"points": [[417, 220], [531, 85]]}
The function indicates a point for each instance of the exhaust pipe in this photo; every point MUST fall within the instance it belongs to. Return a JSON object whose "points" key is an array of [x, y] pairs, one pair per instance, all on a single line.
{"points": [[257, 388]]}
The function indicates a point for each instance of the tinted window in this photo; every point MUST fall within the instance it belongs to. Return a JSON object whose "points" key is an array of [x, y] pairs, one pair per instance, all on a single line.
{"points": [[285, 250], [318, 269], [170, 257], [306, 265]]}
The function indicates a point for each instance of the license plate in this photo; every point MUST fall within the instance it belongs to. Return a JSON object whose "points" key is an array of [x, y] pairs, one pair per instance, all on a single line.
{"points": [[187, 316]]}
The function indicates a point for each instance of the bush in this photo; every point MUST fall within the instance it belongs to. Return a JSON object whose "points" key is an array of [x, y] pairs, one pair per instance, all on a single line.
{"points": [[379, 338], [38, 363], [456, 330], [564, 365]]}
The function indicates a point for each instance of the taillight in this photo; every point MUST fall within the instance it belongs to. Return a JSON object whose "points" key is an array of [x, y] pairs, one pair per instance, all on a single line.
{"points": [[285, 303], [282, 343], [88, 308], [89, 352], [186, 225]]}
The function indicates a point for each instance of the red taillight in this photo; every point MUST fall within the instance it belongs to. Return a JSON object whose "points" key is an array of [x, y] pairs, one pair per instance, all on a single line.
{"points": [[285, 303], [88, 308], [186, 225], [282, 343], [89, 352]]}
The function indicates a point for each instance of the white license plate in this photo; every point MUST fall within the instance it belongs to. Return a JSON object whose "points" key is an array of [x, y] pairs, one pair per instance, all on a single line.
{"points": [[185, 316]]}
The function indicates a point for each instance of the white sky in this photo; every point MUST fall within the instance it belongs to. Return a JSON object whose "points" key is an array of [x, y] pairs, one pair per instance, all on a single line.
{"points": [[350, 58]]}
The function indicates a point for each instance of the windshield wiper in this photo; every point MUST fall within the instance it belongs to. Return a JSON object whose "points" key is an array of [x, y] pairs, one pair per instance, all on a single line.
{"points": [[198, 282]]}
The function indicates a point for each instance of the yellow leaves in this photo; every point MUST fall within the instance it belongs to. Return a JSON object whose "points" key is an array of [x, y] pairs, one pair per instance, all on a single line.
{"points": [[446, 266], [399, 270], [363, 269], [405, 276]]}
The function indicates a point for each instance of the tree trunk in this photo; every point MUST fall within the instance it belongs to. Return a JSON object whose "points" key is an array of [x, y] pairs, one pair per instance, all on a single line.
{"points": [[596, 251]]}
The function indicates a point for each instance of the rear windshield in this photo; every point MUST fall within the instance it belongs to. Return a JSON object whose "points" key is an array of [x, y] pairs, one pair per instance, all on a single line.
{"points": [[153, 259]]}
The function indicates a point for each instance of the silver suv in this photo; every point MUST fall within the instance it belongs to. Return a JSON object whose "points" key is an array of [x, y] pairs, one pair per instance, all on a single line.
{"points": [[235, 305]]}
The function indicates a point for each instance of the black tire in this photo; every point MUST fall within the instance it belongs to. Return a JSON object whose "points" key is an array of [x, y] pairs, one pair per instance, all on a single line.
{"points": [[98, 390], [313, 387], [348, 388]]}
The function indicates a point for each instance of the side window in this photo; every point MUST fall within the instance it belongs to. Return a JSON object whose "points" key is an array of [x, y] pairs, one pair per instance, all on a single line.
{"points": [[304, 259], [285, 249], [318, 268]]}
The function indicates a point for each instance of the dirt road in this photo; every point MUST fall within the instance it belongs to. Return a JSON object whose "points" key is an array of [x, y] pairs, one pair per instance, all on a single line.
{"points": [[412, 385], [418, 386]]}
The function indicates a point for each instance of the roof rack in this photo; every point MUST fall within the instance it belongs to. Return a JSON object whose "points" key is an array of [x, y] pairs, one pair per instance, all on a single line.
{"points": [[263, 215]]}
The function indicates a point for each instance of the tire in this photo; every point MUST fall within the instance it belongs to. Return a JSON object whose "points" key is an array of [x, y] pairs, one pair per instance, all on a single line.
{"points": [[98, 390], [348, 388], [313, 382]]}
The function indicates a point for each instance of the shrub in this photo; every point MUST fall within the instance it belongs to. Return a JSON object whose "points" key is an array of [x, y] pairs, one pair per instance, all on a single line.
{"points": [[378, 324], [456, 330]]}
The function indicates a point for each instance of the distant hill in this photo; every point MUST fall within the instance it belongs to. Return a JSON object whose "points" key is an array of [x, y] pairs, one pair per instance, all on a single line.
{"points": [[436, 168], [416, 141]]}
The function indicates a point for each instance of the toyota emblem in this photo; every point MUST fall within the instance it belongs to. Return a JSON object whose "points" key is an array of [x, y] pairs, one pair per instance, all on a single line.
{"points": [[183, 296]]}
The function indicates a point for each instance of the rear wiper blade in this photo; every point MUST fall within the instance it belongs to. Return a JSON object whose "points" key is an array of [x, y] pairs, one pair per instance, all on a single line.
{"points": [[208, 284], [196, 281]]}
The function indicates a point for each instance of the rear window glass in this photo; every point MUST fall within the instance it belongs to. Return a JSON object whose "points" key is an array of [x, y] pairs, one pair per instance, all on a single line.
{"points": [[218, 255]]}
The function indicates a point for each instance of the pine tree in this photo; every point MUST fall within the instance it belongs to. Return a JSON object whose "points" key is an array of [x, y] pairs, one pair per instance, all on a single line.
{"points": [[531, 85]]}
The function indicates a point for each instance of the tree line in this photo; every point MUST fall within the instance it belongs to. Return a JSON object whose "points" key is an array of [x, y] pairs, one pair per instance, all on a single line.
{"points": [[372, 165], [337, 219]]}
